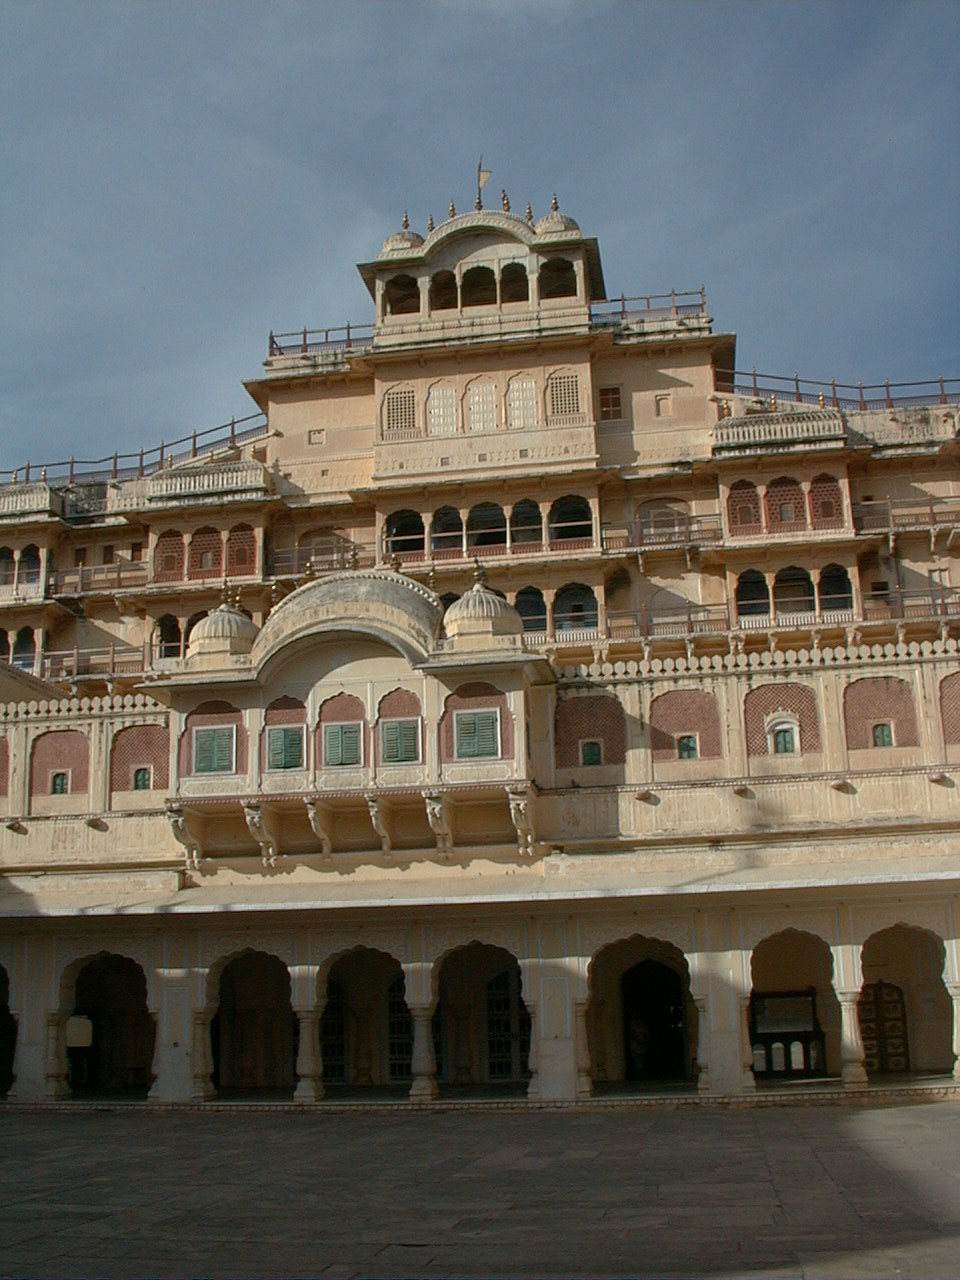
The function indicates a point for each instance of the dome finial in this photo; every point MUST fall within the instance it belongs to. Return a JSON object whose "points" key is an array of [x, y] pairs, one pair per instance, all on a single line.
{"points": [[406, 221], [225, 591], [429, 222], [553, 204], [528, 216], [506, 201], [453, 210], [479, 573]]}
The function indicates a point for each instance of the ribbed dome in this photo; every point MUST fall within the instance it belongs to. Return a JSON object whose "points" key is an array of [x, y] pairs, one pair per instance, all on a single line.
{"points": [[401, 241], [481, 609], [226, 627], [555, 221]]}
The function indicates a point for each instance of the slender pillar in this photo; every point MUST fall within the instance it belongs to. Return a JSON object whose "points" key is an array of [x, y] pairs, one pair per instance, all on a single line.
{"points": [[309, 1063], [202, 1056], [954, 989], [534, 1089], [584, 1079], [703, 1044], [852, 1070], [424, 1063], [56, 1069], [748, 1079]]}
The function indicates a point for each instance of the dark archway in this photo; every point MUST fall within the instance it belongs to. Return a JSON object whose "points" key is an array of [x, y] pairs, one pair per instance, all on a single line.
{"points": [[794, 1011], [514, 285], [168, 638], [8, 1035], [110, 1034], [403, 296], [254, 1032], [906, 1012], [486, 527], [443, 291], [481, 1026], [653, 1031], [446, 536], [366, 1031], [558, 279], [478, 288], [405, 533], [752, 595]]}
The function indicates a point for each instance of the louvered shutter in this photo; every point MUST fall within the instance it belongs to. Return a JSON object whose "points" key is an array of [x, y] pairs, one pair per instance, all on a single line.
{"points": [[213, 750], [409, 740], [349, 744], [391, 741], [486, 733], [275, 749], [285, 748], [466, 735], [223, 750]]}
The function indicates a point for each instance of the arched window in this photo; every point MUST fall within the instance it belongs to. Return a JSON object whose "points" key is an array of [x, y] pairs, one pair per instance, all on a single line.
{"points": [[826, 503], [532, 608], [486, 527], [446, 537], [743, 509], [168, 637], [784, 505], [768, 708], [241, 551], [514, 285], [405, 534], [24, 649], [558, 279], [563, 395], [526, 525], [441, 410], [206, 554], [571, 520], [521, 404], [400, 414], [482, 406], [403, 296], [30, 565], [478, 287], [574, 608], [169, 557], [443, 291], [835, 589], [793, 592], [753, 598], [7, 567]]}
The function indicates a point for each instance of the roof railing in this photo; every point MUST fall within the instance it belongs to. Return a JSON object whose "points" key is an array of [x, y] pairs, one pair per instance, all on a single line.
{"points": [[856, 396], [130, 466]]}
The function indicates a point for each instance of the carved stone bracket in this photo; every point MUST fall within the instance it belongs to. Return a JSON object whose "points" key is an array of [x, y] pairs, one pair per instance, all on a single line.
{"points": [[261, 825], [321, 824], [186, 831], [521, 815], [439, 818], [378, 816]]}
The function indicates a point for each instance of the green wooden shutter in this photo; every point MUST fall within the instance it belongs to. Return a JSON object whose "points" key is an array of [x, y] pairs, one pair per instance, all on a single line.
{"points": [[466, 735], [223, 750], [331, 745], [203, 751], [350, 744], [487, 733], [275, 749], [391, 741], [409, 740], [285, 748]]}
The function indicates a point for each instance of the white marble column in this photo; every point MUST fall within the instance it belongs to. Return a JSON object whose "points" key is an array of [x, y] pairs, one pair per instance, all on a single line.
{"points": [[424, 1064], [309, 1062], [852, 1070], [202, 1056], [55, 1084]]}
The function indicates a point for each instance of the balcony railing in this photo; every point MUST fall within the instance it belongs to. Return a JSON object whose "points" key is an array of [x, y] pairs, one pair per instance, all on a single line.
{"points": [[911, 513], [219, 480], [674, 530], [624, 312], [778, 430], [123, 574], [27, 588], [128, 466], [491, 543], [326, 556], [103, 663], [837, 395]]}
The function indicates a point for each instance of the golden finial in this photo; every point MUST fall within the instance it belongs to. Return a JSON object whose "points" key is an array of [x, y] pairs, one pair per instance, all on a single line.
{"points": [[354, 558], [822, 399], [236, 597], [43, 473], [773, 403], [429, 222], [506, 201], [406, 221], [553, 204], [528, 217], [478, 203], [308, 571], [453, 210], [395, 562], [432, 579], [225, 592], [479, 573]]}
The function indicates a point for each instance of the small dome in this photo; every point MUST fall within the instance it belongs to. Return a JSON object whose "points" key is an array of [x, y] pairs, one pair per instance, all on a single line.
{"points": [[226, 628], [481, 610], [402, 241], [555, 221]]}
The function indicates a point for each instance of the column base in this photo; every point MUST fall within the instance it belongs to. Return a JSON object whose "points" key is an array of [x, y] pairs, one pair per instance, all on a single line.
{"points": [[423, 1089], [852, 1075], [308, 1090]]}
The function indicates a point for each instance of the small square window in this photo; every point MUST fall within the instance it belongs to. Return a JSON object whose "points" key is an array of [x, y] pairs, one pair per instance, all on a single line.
{"points": [[142, 778], [883, 735], [400, 741], [687, 746], [784, 743], [610, 406], [591, 752], [214, 749], [285, 747], [342, 744], [136, 551], [109, 553], [477, 734], [59, 784]]}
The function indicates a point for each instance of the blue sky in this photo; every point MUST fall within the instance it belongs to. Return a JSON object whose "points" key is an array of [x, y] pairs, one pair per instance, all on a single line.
{"points": [[177, 179]]}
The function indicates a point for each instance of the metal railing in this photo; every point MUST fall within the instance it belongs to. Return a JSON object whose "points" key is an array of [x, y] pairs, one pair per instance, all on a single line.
{"points": [[623, 311], [837, 395], [906, 513], [675, 530], [102, 577], [329, 556], [128, 466], [101, 663], [492, 542]]}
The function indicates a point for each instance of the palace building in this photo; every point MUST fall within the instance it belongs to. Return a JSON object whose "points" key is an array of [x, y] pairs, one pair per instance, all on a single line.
{"points": [[522, 702]]}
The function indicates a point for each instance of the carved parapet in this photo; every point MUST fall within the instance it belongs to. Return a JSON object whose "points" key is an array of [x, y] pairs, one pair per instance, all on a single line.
{"points": [[186, 831], [320, 824], [262, 825], [521, 800], [439, 819], [378, 816]]}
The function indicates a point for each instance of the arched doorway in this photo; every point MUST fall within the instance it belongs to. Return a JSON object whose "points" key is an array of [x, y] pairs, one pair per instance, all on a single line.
{"points": [[906, 1013], [366, 1032], [254, 1032], [481, 1025], [794, 1011], [641, 1019], [8, 1035], [110, 1033]]}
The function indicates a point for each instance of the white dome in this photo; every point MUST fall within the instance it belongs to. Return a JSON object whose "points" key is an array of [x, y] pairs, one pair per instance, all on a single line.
{"points": [[401, 242], [482, 610], [553, 222], [225, 628]]}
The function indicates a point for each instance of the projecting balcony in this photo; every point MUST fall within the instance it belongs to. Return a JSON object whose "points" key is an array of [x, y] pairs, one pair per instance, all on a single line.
{"points": [[215, 481], [903, 515], [791, 430], [663, 531], [321, 556], [122, 575], [24, 591], [68, 666], [19, 501]]}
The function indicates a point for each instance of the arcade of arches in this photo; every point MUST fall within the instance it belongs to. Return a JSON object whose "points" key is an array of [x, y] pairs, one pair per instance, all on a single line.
{"points": [[481, 1018]]}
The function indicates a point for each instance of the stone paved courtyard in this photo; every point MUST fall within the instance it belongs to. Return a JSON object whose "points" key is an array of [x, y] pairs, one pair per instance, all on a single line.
{"points": [[816, 1191]]}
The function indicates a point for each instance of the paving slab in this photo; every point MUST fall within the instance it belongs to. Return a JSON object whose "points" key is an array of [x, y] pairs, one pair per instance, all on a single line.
{"points": [[795, 1191]]}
